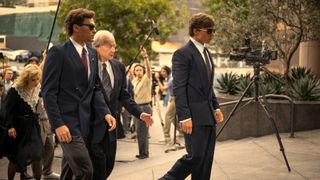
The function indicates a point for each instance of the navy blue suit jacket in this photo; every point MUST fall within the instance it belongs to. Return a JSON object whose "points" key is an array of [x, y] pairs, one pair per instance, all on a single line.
{"points": [[119, 97], [192, 87], [69, 95]]}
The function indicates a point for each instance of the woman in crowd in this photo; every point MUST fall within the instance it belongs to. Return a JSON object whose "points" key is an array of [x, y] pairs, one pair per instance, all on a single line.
{"points": [[23, 144]]}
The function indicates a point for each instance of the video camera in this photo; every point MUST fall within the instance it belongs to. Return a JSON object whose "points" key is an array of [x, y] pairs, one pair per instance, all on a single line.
{"points": [[154, 80], [262, 56]]}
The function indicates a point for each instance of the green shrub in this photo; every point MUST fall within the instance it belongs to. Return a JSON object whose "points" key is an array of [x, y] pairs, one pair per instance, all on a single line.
{"points": [[244, 81], [227, 83], [297, 73], [305, 89], [272, 84], [302, 85]]}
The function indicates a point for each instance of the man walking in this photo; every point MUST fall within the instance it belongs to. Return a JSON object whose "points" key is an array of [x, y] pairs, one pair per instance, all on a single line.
{"points": [[196, 105], [72, 94], [103, 145]]}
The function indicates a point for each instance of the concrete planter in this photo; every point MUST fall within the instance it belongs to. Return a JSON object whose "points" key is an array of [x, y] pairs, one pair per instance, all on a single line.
{"points": [[252, 121]]}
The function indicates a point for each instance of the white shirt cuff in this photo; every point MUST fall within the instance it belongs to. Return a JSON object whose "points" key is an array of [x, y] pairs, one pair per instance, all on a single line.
{"points": [[185, 120]]}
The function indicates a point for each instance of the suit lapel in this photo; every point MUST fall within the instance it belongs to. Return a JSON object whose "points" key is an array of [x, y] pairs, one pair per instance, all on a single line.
{"points": [[74, 56], [212, 67], [92, 64], [115, 71], [201, 66]]}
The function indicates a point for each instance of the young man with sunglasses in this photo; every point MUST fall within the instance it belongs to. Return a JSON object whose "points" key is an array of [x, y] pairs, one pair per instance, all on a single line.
{"points": [[196, 104], [72, 94]]}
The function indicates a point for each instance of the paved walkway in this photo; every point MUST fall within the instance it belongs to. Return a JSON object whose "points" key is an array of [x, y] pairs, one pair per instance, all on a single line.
{"points": [[249, 158]]}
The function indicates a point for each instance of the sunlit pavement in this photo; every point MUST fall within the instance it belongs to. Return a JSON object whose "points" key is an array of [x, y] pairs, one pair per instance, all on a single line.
{"points": [[249, 158]]}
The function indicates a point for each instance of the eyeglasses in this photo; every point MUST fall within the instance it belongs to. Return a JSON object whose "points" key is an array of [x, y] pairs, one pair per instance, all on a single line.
{"points": [[90, 26], [209, 30]]}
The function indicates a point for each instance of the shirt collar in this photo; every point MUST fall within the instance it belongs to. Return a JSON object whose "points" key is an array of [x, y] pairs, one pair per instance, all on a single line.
{"points": [[78, 46], [198, 45]]}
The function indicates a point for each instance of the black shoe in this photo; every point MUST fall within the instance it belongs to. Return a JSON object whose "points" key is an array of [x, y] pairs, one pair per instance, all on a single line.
{"points": [[25, 175], [142, 156]]}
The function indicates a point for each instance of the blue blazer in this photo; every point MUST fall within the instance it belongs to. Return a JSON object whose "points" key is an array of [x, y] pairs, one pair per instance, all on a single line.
{"points": [[69, 95], [192, 87], [119, 97]]}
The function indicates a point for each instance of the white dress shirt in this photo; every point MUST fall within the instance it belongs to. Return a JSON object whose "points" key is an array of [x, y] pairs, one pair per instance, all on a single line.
{"points": [[79, 50]]}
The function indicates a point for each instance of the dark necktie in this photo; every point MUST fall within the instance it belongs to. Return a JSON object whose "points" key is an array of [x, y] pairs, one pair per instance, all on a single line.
{"points": [[206, 57], [84, 59], [106, 81]]}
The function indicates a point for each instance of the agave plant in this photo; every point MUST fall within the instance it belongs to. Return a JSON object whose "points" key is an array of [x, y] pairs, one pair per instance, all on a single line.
{"points": [[273, 84], [299, 72], [305, 89], [227, 83], [244, 81]]}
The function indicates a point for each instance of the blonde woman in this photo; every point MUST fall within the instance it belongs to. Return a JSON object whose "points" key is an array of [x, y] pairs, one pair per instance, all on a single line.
{"points": [[23, 144]]}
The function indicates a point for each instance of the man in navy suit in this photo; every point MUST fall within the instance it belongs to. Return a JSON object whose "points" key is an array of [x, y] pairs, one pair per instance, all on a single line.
{"points": [[72, 96], [197, 108], [113, 77]]}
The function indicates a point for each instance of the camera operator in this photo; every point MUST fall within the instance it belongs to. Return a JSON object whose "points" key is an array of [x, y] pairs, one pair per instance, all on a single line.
{"points": [[162, 80], [167, 87]]}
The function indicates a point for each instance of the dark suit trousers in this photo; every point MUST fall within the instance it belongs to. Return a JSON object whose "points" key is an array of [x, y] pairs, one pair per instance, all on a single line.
{"points": [[101, 158], [103, 155], [198, 162], [143, 132], [76, 160]]}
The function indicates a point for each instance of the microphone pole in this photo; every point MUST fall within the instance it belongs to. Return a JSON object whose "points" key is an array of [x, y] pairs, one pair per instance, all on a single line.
{"points": [[154, 29], [52, 28]]}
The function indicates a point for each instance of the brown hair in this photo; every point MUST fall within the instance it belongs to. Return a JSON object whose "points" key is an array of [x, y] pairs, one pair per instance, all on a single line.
{"points": [[77, 16], [139, 65], [200, 20]]}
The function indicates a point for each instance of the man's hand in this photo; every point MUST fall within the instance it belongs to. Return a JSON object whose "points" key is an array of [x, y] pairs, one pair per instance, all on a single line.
{"points": [[218, 116], [147, 118], [63, 134], [111, 121], [186, 126], [12, 132]]}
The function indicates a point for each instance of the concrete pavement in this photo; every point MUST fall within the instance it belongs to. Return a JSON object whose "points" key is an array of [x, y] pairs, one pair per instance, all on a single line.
{"points": [[249, 158]]}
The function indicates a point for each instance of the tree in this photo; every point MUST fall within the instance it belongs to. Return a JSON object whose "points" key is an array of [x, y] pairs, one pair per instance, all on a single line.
{"points": [[8, 3], [282, 24], [130, 20]]}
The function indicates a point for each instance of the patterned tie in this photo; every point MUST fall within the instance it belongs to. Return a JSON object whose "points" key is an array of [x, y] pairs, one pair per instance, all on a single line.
{"points": [[206, 57], [84, 59], [106, 81]]}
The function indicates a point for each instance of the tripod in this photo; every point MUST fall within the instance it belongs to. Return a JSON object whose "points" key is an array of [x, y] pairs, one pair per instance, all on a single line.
{"points": [[255, 80]]}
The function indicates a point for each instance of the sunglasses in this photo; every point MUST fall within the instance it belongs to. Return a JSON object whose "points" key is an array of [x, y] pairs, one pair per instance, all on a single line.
{"points": [[208, 30], [90, 26]]}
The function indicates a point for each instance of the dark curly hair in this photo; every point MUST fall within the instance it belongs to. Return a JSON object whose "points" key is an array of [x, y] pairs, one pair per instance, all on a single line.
{"points": [[77, 16]]}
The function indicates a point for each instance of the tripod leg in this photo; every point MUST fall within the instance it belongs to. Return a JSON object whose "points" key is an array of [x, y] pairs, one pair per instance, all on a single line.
{"points": [[265, 108], [234, 108]]}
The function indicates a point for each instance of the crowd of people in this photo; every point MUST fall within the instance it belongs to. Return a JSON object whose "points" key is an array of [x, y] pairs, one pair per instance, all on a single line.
{"points": [[87, 99]]}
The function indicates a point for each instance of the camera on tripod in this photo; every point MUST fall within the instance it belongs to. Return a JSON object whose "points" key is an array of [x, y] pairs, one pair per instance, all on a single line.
{"points": [[251, 57]]}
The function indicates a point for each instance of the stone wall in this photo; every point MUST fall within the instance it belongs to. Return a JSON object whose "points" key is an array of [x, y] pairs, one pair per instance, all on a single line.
{"points": [[252, 121]]}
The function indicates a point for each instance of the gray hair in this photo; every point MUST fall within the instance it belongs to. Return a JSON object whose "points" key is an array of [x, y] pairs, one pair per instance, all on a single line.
{"points": [[103, 37]]}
